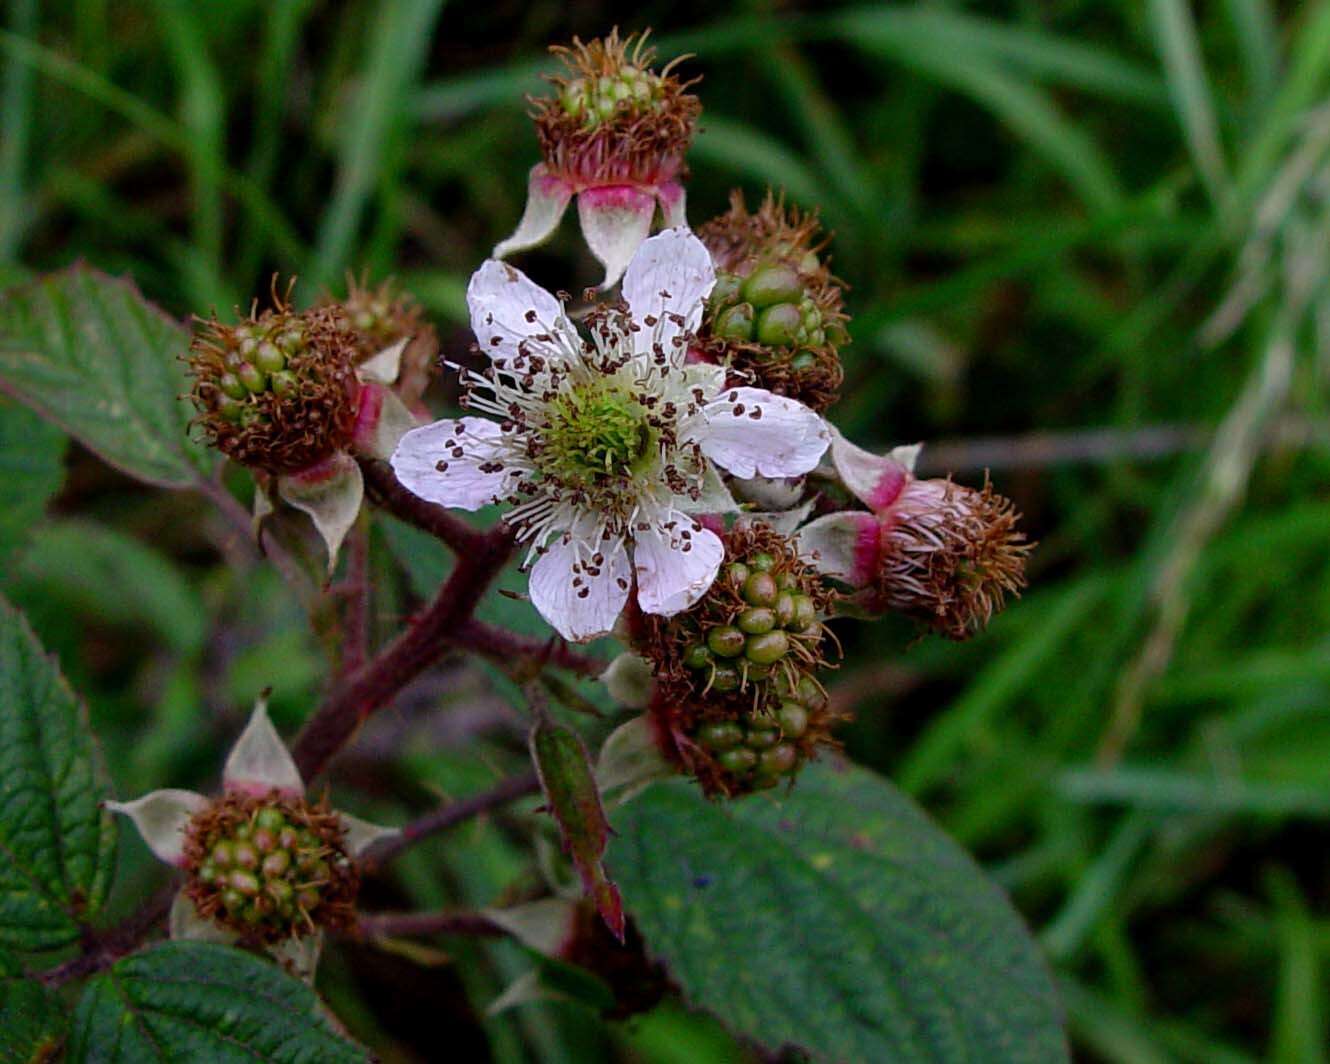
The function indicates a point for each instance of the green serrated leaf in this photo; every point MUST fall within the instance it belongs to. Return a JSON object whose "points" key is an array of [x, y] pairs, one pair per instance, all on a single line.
{"points": [[88, 352], [57, 846], [189, 1002], [33, 1022], [837, 918], [31, 471]]}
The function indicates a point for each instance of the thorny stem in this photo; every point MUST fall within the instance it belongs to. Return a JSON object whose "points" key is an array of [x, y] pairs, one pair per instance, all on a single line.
{"points": [[101, 949], [385, 489], [447, 816], [505, 646], [375, 684], [397, 925], [355, 648]]}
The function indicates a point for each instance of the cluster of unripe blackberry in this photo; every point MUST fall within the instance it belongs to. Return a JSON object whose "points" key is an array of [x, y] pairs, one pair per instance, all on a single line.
{"points": [[277, 392], [596, 99], [737, 703], [775, 314], [270, 868]]}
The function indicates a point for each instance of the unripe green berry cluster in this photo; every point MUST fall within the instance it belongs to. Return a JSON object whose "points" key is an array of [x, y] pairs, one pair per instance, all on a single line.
{"points": [[756, 751], [258, 363], [761, 634], [772, 307], [596, 100], [269, 869]]}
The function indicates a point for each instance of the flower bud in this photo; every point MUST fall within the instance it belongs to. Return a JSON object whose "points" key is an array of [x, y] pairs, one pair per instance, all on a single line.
{"points": [[277, 392], [269, 867], [383, 317], [776, 313]]}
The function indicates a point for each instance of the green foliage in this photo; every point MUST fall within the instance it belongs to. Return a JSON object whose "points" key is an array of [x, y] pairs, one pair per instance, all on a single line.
{"points": [[57, 846], [30, 473], [196, 1002], [836, 918], [88, 352], [33, 1021]]}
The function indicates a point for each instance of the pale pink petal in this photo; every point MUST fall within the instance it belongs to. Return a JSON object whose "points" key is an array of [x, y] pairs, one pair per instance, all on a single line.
{"points": [[673, 205], [185, 923], [509, 310], [615, 221], [382, 419], [876, 480], [330, 493], [299, 956], [442, 463], [361, 834], [260, 762], [161, 818], [845, 545], [676, 560], [546, 199], [579, 590], [752, 432], [383, 367], [670, 276]]}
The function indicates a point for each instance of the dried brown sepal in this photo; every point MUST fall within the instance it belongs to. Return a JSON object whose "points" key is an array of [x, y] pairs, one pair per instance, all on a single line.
{"points": [[950, 556], [270, 867], [726, 682], [278, 392], [774, 240], [612, 119], [383, 315]]}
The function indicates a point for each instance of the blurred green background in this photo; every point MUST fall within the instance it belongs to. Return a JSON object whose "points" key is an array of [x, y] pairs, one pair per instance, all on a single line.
{"points": [[1087, 249]]}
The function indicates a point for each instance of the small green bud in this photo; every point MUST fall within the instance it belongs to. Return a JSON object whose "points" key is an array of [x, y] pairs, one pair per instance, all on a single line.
{"points": [[245, 882], [737, 573], [726, 288], [803, 360], [760, 590], [757, 621], [767, 649], [230, 385], [276, 863], [761, 738], [207, 871], [265, 841], [735, 323], [725, 678], [739, 761], [269, 358], [793, 719], [768, 285], [284, 383], [762, 561], [720, 735], [785, 609], [233, 900], [778, 761], [778, 325], [810, 694], [805, 612], [270, 819], [252, 377], [281, 892], [697, 657], [726, 641], [223, 854], [245, 855]]}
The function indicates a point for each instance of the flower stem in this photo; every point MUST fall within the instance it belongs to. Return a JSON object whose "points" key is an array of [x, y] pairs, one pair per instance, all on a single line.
{"points": [[375, 684], [447, 816], [101, 949], [505, 646]]}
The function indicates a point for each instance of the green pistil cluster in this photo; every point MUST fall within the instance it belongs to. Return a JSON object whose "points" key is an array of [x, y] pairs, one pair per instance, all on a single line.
{"points": [[759, 751], [268, 871], [596, 100], [258, 364], [761, 635], [593, 434], [771, 306]]}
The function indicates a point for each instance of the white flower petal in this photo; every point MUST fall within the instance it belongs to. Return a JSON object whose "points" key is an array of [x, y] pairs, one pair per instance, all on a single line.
{"points": [[580, 605], [844, 545], [676, 564], [330, 493], [361, 834], [715, 497], [752, 432], [161, 817], [383, 367], [876, 480], [260, 762], [546, 199], [299, 956], [786, 522], [427, 462], [508, 309], [669, 278], [615, 221], [184, 922]]}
